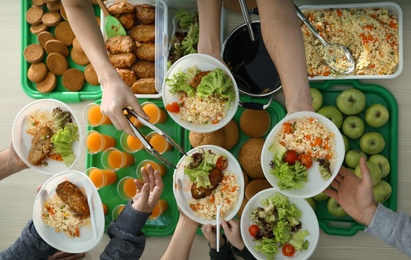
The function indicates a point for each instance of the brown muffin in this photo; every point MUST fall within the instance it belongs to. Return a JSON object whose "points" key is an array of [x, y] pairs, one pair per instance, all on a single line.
{"points": [[90, 75], [249, 157], [79, 57], [64, 33], [34, 15], [210, 138], [255, 186], [144, 69], [43, 37], [38, 28], [51, 18], [56, 46], [33, 53], [37, 72], [57, 63], [231, 135], [255, 123], [73, 79], [47, 84]]}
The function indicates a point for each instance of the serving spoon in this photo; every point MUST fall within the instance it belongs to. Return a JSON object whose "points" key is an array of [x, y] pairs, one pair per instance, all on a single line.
{"points": [[333, 53], [112, 25]]}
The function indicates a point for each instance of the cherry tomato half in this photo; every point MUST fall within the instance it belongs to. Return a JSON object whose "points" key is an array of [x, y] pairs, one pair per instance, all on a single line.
{"points": [[173, 107], [290, 157], [253, 229], [288, 250], [222, 163]]}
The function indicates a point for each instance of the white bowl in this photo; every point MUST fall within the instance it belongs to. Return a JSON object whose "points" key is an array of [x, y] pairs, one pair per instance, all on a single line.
{"points": [[182, 184], [308, 220], [202, 62], [315, 183], [86, 241], [22, 140]]}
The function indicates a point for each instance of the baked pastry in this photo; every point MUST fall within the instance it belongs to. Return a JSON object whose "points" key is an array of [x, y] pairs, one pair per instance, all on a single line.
{"points": [[57, 63], [144, 69], [79, 57], [63, 13], [231, 135], [73, 79], [255, 186], [38, 2], [43, 37], [249, 157], [90, 75], [54, 7], [255, 123], [56, 46], [33, 53], [47, 84], [209, 138], [64, 33], [34, 15], [51, 18], [38, 28], [37, 72]]}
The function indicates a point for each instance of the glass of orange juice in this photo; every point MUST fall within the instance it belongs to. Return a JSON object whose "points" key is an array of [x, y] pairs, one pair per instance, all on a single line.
{"points": [[126, 188], [117, 210], [158, 142], [156, 114], [130, 144], [114, 159], [100, 177], [95, 142], [93, 116], [156, 166], [159, 209]]}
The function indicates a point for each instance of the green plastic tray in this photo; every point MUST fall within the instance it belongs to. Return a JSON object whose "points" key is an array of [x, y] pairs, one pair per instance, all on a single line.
{"points": [[166, 223], [346, 226], [88, 92]]}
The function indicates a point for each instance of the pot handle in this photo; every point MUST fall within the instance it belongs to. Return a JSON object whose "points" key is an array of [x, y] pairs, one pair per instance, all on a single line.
{"points": [[255, 106]]}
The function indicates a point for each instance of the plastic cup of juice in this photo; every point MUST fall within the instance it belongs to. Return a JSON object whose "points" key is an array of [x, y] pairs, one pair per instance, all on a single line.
{"points": [[130, 144], [95, 142], [100, 177], [156, 166], [126, 188], [156, 114], [158, 142], [114, 159], [93, 116], [159, 209], [117, 210]]}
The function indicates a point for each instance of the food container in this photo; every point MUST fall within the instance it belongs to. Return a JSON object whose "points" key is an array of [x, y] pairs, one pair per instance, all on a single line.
{"points": [[392, 8], [161, 40]]}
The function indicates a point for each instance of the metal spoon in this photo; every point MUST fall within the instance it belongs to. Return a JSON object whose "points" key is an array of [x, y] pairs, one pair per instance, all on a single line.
{"points": [[333, 53], [247, 19]]}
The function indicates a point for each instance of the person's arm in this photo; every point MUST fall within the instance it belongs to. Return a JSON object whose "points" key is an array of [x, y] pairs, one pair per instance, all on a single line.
{"points": [[284, 42], [182, 239], [233, 232], [10, 162], [116, 94]]}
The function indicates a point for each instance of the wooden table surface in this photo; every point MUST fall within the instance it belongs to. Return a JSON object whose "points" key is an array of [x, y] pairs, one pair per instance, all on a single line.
{"points": [[17, 192]]}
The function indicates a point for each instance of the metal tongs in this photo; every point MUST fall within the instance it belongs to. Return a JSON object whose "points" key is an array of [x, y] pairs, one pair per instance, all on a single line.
{"points": [[147, 145]]}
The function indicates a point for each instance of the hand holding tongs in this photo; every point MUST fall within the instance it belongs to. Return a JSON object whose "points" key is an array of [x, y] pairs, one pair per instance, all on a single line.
{"points": [[147, 145]]}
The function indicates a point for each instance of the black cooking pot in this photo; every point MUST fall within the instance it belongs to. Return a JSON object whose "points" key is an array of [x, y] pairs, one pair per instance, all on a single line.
{"points": [[250, 64]]}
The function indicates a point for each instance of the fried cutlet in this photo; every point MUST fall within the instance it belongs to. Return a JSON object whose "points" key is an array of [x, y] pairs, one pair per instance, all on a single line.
{"points": [[40, 146], [215, 176], [74, 198]]}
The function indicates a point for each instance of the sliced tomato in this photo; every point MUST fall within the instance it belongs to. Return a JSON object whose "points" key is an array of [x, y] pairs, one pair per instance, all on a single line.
{"points": [[222, 163], [173, 107], [290, 157], [288, 250], [253, 229], [305, 160]]}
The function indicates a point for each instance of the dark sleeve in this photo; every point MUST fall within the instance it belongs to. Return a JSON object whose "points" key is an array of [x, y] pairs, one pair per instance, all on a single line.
{"points": [[244, 253], [225, 252], [126, 239], [28, 246]]}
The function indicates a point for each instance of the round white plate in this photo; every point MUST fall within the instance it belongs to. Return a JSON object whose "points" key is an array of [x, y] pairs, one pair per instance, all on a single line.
{"points": [[202, 62], [182, 184], [59, 240], [308, 220], [22, 140], [315, 183]]}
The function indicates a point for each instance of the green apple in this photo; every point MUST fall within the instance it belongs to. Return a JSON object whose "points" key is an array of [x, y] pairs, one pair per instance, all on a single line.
{"points": [[353, 127], [376, 115], [352, 158], [321, 197], [333, 114], [312, 203], [346, 143], [351, 101], [316, 98], [372, 143], [382, 191], [382, 162], [335, 209], [374, 170]]}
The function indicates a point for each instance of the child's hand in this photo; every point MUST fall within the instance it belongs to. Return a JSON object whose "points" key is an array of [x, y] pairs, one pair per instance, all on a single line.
{"points": [[209, 233], [232, 232]]}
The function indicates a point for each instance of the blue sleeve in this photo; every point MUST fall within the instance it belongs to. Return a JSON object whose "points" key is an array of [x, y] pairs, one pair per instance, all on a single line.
{"points": [[126, 239], [394, 228], [28, 246]]}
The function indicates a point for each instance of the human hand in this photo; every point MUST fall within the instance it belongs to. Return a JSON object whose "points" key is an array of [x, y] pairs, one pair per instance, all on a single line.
{"points": [[355, 195], [66, 256], [210, 234], [149, 191], [232, 232]]}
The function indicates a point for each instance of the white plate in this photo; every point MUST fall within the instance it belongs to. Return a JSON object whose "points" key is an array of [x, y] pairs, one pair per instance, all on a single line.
{"points": [[308, 220], [182, 184], [204, 63], [315, 183], [22, 140], [59, 240]]}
